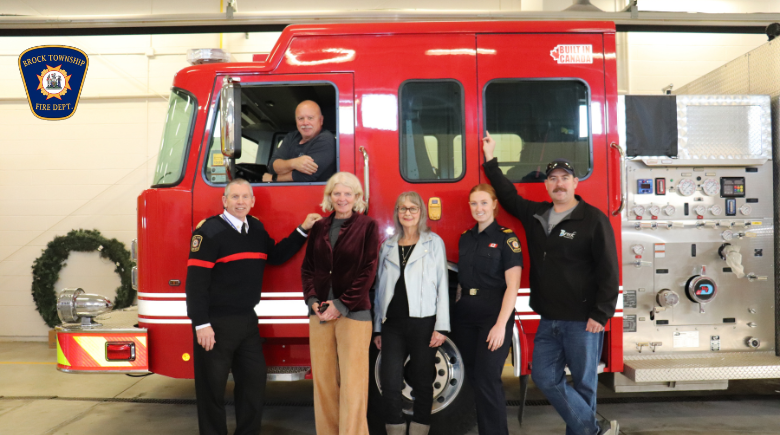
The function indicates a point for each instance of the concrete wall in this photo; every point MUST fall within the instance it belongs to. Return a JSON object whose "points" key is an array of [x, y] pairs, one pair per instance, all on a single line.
{"points": [[87, 171]]}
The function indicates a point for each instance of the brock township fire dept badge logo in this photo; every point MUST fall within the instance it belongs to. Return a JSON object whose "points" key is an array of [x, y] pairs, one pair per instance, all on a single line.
{"points": [[568, 53], [53, 82], [53, 77], [196, 242]]}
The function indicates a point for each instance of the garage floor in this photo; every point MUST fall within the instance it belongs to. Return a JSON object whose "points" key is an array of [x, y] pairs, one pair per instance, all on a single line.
{"points": [[36, 399]]}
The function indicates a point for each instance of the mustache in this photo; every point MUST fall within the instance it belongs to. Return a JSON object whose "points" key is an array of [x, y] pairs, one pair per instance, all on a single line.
{"points": [[559, 189]]}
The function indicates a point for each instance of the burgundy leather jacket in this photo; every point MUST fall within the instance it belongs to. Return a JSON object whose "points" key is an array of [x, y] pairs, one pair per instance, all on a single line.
{"points": [[350, 268]]}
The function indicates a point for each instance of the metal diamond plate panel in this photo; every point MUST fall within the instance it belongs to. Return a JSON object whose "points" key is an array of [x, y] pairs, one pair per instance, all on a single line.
{"points": [[702, 366], [718, 127], [732, 78]]}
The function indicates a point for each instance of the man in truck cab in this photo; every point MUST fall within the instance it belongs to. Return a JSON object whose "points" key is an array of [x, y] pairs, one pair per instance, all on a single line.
{"points": [[305, 155], [228, 253], [574, 277]]}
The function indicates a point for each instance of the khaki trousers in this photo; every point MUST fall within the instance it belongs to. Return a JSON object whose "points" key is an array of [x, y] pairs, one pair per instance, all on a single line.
{"points": [[339, 362]]}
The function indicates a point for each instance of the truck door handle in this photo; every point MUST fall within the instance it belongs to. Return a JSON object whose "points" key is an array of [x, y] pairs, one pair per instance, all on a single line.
{"points": [[365, 175], [622, 178]]}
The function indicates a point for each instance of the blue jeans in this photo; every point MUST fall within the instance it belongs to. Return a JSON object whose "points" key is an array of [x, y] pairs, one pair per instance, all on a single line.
{"points": [[561, 343]]}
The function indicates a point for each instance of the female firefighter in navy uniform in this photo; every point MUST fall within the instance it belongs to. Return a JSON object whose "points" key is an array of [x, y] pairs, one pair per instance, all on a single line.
{"points": [[489, 267]]}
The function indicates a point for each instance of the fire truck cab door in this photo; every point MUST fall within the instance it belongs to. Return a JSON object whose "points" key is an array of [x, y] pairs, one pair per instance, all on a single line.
{"points": [[542, 97], [267, 115]]}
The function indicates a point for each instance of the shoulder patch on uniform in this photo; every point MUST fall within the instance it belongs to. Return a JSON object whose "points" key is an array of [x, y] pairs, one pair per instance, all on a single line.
{"points": [[197, 241], [507, 230], [514, 244], [200, 224]]}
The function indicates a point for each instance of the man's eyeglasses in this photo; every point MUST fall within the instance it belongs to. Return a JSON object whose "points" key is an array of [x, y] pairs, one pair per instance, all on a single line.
{"points": [[413, 210]]}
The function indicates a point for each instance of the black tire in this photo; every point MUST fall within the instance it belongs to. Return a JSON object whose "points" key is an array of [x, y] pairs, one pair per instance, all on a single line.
{"points": [[454, 412]]}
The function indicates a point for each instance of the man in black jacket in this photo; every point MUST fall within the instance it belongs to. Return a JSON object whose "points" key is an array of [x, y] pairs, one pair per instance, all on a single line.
{"points": [[228, 253], [574, 278]]}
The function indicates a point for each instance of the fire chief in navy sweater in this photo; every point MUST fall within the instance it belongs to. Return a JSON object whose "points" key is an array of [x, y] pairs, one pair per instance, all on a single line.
{"points": [[228, 253]]}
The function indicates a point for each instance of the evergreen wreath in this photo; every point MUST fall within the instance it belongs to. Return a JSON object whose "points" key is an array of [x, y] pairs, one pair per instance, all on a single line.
{"points": [[46, 269]]}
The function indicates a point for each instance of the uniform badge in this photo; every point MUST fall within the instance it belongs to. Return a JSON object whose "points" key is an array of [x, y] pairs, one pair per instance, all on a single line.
{"points": [[196, 242], [514, 244], [53, 76], [494, 245]]}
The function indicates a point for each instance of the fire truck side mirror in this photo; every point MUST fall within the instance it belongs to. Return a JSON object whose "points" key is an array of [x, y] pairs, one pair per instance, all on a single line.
{"points": [[230, 120]]}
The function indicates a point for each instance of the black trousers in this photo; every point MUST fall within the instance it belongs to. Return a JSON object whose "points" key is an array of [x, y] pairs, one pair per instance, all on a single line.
{"points": [[473, 318], [410, 337], [239, 349]]}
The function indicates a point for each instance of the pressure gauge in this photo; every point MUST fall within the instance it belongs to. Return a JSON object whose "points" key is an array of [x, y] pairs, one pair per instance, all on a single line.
{"points": [[669, 210], [716, 210], [654, 210], [639, 210], [727, 235], [686, 187], [638, 249], [746, 210], [710, 187], [700, 210]]}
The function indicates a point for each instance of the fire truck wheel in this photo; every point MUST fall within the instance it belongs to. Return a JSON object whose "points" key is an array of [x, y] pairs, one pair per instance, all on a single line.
{"points": [[453, 400]]}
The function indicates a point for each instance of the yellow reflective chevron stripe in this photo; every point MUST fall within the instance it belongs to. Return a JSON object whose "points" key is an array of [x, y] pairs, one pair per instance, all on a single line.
{"points": [[95, 347], [61, 360]]}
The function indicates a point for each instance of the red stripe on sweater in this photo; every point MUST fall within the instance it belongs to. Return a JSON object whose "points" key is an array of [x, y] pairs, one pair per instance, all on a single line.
{"points": [[200, 263], [243, 256]]}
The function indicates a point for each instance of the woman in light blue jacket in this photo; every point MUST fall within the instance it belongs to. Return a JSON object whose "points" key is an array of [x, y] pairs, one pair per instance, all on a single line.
{"points": [[411, 311]]}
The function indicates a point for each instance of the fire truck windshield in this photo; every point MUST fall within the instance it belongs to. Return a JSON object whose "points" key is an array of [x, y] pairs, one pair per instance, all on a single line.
{"points": [[176, 136]]}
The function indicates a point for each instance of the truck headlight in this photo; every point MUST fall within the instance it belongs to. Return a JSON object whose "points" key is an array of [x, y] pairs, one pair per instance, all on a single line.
{"points": [[74, 306]]}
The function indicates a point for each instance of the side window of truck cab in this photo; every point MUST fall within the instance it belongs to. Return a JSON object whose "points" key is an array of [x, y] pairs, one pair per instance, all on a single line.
{"points": [[268, 117], [536, 121], [431, 130]]}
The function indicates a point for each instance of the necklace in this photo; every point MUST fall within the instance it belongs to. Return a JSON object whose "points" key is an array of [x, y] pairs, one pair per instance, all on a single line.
{"points": [[405, 254]]}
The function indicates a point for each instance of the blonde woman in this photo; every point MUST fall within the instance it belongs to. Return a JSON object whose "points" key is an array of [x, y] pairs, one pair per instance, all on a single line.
{"points": [[411, 310], [337, 273]]}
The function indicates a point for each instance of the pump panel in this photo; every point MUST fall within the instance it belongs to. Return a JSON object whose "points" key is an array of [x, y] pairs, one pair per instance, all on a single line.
{"points": [[698, 264]]}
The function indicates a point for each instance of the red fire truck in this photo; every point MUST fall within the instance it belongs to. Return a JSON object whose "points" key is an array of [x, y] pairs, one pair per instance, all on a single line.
{"points": [[408, 104]]}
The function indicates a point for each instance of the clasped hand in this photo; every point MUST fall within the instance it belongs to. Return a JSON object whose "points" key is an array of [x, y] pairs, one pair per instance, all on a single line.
{"points": [[330, 313]]}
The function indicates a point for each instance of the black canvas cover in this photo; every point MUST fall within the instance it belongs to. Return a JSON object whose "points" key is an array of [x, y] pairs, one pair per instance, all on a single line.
{"points": [[651, 125]]}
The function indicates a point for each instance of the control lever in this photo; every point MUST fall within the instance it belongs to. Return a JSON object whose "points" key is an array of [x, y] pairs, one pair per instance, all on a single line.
{"points": [[639, 263], [752, 277], [652, 345], [645, 225]]}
